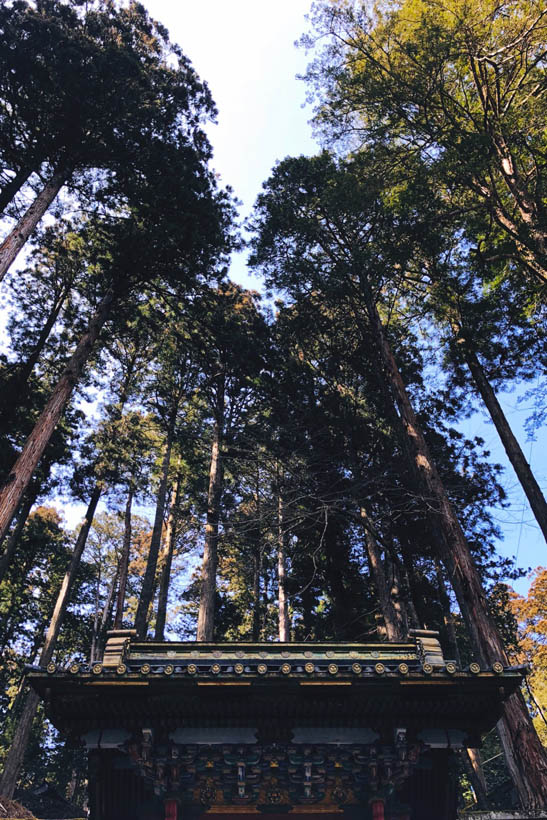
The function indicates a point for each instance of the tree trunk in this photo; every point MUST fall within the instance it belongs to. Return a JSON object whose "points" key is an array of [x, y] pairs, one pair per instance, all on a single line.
{"points": [[380, 582], [206, 614], [19, 478], [14, 758], [149, 580], [124, 562], [95, 634], [511, 446], [13, 539], [476, 775], [448, 618], [106, 616], [16, 753], [170, 537], [13, 243], [12, 188], [257, 561], [525, 755], [408, 595], [394, 587], [282, 602], [22, 374]]}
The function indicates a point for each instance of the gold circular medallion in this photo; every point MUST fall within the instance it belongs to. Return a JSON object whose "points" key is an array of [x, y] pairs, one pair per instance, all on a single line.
{"points": [[309, 668], [474, 668], [261, 668], [145, 669], [97, 668], [333, 669], [379, 668], [356, 668], [191, 669], [451, 668], [169, 669], [403, 668], [74, 668], [427, 668], [215, 669], [497, 667], [51, 668], [286, 668], [121, 669], [239, 669]]}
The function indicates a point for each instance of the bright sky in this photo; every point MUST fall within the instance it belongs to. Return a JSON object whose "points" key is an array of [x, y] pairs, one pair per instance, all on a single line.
{"points": [[245, 51]]}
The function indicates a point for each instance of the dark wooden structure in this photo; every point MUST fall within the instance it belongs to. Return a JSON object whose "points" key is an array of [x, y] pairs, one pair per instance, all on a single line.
{"points": [[364, 730]]}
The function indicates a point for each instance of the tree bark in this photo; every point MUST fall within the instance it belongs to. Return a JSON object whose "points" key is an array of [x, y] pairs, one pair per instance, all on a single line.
{"points": [[387, 609], [170, 537], [408, 594], [525, 755], [149, 580], [13, 539], [206, 614], [95, 634], [124, 561], [12, 188], [282, 601], [476, 775], [106, 616], [511, 446], [448, 618], [257, 560], [16, 753], [13, 243], [21, 474]]}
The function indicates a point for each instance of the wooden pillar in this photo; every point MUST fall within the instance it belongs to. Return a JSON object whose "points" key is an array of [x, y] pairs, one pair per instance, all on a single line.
{"points": [[171, 809], [377, 806]]}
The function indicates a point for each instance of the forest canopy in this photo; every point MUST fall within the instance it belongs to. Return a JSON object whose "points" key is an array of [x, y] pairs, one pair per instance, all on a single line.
{"points": [[286, 465]]}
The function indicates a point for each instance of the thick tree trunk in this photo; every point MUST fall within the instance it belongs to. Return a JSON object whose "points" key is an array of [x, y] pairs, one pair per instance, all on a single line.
{"points": [[282, 600], [149, 580], [448, 618], [476, 775], [525, 755], [12, 188], [95, 634], [21, 474], [257, 607], [408, 595], [385, 602], [16, 753], [511, 446], [13, 243], [257, 561], [206, 614], [14, 759], [124, 562], [170, 538], [106, 616], [394, 586], [13, 538]]}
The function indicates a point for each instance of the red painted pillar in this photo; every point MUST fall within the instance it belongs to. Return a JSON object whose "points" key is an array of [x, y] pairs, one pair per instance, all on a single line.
{"points": [[171, 810], [377, 810]]}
